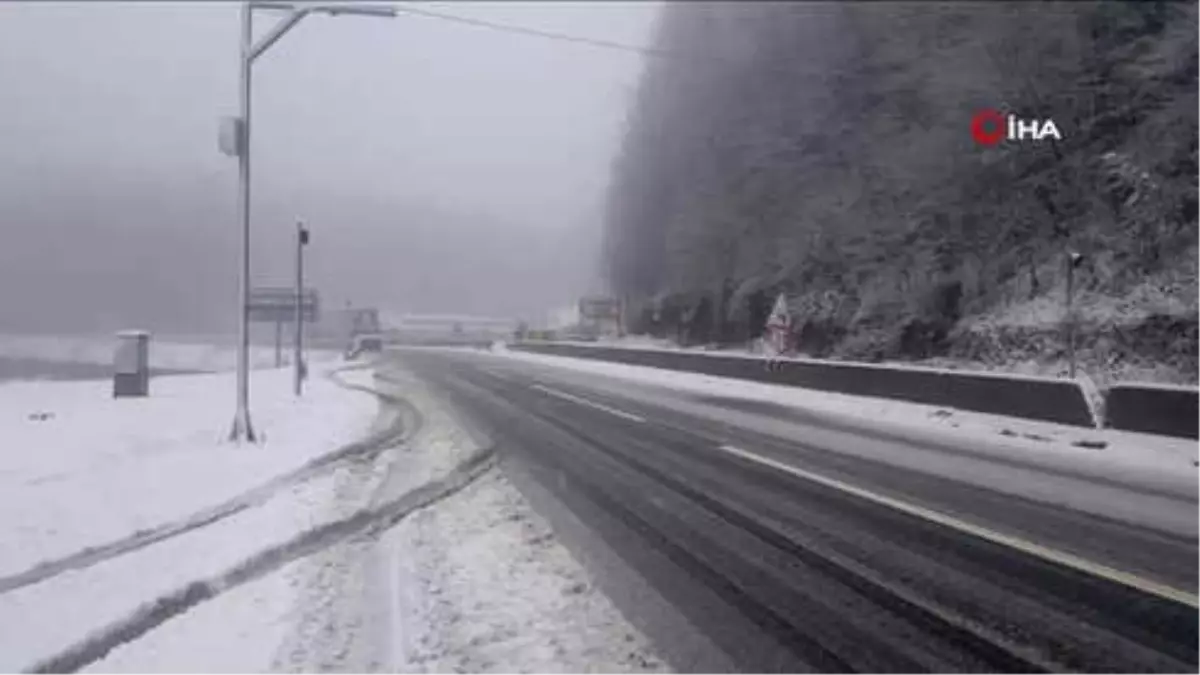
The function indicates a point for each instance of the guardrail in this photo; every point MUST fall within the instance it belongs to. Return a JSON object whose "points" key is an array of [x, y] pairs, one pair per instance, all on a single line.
{"points": [[1051, 400], [1154, 409]]}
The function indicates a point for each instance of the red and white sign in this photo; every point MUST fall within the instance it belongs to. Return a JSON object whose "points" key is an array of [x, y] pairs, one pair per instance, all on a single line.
{"points": [[989, 127], [778, 325]]}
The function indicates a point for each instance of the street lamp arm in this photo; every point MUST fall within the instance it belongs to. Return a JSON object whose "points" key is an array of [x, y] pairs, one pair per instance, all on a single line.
{"points": [[356, 10], [277, 6], [277, 32]]}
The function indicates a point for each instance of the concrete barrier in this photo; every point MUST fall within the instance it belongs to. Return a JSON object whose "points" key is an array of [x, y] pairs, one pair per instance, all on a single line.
{"points": [[1051, 400], [1154, 409], [474, 343]]}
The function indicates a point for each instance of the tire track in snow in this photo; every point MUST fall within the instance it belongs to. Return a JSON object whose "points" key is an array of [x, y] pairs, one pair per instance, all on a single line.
{"points": [[364, 450], [369, 523]]}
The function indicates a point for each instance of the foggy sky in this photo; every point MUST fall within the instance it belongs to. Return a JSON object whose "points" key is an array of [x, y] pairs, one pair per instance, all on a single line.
{"points": [[441, 167]]}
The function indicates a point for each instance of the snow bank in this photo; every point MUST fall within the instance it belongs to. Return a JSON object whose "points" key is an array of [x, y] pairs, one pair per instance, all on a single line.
{"points": [[80, 468], [496, 592], [479, 583]]}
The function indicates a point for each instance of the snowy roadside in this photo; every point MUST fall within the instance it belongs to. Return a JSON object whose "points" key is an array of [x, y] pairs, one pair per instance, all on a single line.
{"points": [[479, 583], [475, 582], [101, 470], [472, 581], [1027, 435], [79, 468], [48, 618], [247, 626], [499, 593]]}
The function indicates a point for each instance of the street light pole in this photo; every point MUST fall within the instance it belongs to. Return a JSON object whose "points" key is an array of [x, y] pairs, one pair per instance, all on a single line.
{"points": [[242, 427], [249, 51]]}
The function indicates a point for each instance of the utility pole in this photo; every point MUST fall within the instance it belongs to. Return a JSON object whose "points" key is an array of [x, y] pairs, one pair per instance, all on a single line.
{"points": [[235, 140], [300, 367]]}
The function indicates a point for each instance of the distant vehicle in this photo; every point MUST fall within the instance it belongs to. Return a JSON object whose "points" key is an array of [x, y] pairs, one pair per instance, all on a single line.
{"points": [[581, 333], [371, 343]]}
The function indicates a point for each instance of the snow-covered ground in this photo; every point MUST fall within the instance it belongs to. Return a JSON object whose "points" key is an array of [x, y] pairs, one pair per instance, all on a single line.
{"points": [[475, 581], [314, 575], [500, 594], [496, 591], [1117, 446], [79, 467]]}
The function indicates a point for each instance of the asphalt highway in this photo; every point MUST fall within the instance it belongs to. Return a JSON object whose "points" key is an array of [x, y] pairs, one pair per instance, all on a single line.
{"points": [[796, 543]]}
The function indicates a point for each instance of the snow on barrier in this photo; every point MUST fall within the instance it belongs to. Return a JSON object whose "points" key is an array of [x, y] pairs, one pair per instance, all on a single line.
{"points": [[1051, 400], [1154, 409]]}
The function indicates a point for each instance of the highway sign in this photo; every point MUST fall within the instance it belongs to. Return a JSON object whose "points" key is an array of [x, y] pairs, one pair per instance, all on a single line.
{"points": [[596, 307], [278, 305]]}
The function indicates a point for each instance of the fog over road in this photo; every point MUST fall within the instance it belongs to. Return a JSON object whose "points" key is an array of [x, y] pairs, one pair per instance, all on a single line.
{"points": [[439, 165]]}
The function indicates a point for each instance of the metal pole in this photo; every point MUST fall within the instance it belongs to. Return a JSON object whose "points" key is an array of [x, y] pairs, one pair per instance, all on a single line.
{"points": [[242, 428], [278, 344], [1070, 316], [299, 340]]}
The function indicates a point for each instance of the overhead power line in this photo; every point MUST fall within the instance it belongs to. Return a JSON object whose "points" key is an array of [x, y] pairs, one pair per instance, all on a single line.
{"points": [[654, 52], [535, 32]]}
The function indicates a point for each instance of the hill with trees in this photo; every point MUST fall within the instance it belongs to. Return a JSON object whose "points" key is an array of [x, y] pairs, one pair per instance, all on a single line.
{"points": [[823, 150]]}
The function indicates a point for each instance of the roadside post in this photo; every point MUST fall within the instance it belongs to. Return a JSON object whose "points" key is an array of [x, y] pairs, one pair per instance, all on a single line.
{"points": [[301, 368], [1074, 260]]}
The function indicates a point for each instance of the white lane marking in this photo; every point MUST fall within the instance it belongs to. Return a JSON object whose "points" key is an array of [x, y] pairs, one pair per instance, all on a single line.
{"points": [[593, 404], [1066, 559]]}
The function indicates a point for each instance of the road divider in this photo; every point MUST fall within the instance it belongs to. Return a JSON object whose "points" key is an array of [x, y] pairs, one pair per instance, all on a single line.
{"points": [[1153, 409], [1039, 398]]}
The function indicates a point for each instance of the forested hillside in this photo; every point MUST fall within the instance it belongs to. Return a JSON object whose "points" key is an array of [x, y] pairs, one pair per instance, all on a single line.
{"points": [[824, 150]]}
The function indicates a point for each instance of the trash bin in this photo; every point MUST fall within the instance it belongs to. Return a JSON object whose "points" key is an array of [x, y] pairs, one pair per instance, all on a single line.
{"points": [[131, 365]]}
